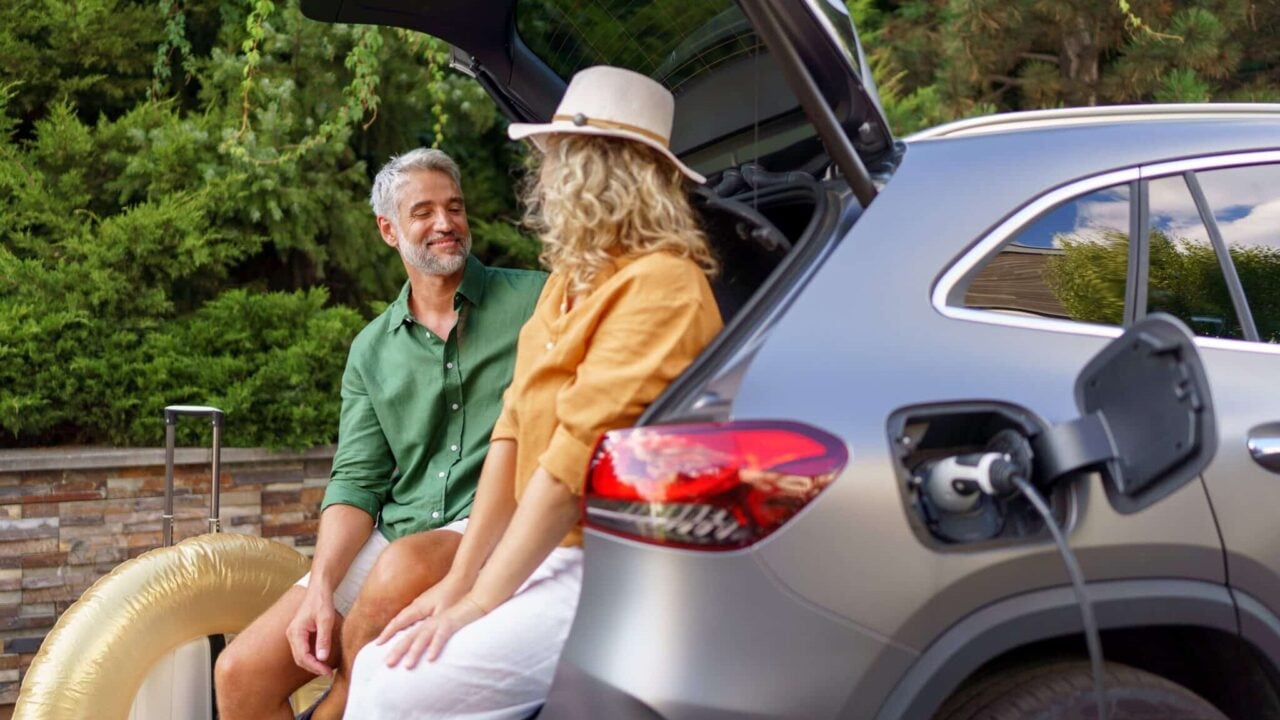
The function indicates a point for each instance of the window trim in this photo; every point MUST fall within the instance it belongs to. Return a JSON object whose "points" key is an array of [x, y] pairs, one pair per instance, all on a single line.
{"points": [[1228, 266], [1136, 275], [948, 288]]}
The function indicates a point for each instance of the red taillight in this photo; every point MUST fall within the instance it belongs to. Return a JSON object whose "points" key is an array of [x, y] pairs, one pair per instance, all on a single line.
{"points": [[715, 487]]}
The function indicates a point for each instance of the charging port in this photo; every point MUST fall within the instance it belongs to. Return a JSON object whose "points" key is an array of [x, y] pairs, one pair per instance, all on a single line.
{"points": [[924, 437]]}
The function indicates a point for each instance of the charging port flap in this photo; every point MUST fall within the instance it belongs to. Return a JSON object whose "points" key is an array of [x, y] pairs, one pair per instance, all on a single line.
{"points": [[1147, 397]]}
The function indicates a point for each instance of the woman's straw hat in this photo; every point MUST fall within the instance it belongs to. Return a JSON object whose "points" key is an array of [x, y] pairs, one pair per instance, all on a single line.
{"points": [[612, 102]]}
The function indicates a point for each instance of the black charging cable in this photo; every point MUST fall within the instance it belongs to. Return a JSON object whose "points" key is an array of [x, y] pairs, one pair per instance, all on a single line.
{"points": [[953, 484], [1092, 638]]}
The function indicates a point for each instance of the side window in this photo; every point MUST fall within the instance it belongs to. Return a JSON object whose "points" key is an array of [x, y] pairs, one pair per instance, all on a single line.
{"points": [[1071, 263], [1184, 276], [1246, 207]]}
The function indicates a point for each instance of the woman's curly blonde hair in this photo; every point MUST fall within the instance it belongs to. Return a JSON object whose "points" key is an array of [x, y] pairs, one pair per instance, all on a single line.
{"points": [[590, 198]]}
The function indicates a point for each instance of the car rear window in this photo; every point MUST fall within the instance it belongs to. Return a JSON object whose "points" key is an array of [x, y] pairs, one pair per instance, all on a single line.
{"points": [[671, 41], [1071, 263]]}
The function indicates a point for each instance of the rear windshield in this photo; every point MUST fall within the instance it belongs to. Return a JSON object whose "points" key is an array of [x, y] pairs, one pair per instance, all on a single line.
{"points": [[671, 41], [733, 104]]}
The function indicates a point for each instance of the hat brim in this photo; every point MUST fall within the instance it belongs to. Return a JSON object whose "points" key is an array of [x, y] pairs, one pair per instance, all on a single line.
{"points": [[537, 132]]}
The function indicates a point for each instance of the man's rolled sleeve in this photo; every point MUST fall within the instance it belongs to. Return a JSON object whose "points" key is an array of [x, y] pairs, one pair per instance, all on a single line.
{"points": [[363, 466]]}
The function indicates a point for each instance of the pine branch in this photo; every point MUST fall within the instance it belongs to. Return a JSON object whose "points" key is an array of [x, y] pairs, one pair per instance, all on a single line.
{"points": [[1134, 22], [1008, 81], [1047, 57]]}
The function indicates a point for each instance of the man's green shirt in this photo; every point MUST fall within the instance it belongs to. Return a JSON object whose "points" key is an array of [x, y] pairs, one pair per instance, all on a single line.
{"points": [[417, 409]]}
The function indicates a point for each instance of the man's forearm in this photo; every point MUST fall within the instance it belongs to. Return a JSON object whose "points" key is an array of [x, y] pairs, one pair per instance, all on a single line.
{"points": [[344, 529], [494, 505]]}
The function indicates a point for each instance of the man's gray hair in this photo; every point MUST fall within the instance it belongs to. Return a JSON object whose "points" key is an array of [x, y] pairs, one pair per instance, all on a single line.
{"points": [[392, 176]]}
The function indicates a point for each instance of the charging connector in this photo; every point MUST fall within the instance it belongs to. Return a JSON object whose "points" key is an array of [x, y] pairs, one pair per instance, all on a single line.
{"points": [[955, 484]]}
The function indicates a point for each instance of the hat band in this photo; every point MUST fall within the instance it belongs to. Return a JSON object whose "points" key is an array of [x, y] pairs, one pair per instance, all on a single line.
{"points": [[610, 125]]}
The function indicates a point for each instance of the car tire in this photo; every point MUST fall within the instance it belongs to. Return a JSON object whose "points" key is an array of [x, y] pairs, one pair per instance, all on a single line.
{"points": [[1064, 689]]}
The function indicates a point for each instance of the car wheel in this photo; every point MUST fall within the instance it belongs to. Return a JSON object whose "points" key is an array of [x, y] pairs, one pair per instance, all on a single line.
{"points": [[1064, 689]]}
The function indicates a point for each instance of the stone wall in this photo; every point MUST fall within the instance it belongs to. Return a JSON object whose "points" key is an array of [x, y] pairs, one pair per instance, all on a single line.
{"points": [[68, 517]]}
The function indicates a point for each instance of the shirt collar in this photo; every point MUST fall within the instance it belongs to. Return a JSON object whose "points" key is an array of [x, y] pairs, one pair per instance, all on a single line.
{"points": [[399, 310], [471, 288]]}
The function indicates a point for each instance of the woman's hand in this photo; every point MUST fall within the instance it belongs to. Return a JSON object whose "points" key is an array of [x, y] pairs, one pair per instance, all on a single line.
{"points": [[434, 600], [432, 634], [546, 513]]}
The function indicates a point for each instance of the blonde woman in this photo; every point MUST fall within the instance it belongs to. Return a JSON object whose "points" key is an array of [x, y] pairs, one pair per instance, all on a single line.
{"points": [[627, 307]]}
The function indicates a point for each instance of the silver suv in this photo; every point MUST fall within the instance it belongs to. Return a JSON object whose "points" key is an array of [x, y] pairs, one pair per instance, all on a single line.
{"points": [[782, 538]]}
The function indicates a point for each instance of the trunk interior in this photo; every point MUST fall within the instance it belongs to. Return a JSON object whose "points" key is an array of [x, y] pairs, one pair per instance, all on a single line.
{"points": [[754, 220], [770, 231]]}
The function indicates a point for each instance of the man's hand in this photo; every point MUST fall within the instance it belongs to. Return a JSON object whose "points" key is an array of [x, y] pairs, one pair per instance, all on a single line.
{"points": [[316, 617], [431, 634]]}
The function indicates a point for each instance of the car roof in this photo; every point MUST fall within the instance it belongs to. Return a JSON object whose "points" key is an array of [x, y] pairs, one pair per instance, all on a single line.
{"points": [[1101, 115], [949, 191]]}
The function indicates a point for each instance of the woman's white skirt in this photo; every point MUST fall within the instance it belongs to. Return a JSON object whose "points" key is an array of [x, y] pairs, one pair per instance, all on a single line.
{"points": [[497, 668]]}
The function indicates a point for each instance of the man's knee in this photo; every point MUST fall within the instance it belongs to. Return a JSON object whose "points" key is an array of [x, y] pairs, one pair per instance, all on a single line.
{"points": [[403, 571], [257, 662], [412, 564], [230, 666], [236, 668]]}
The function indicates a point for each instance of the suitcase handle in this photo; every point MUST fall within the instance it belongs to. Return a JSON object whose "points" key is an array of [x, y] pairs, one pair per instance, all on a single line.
{"points": [[171, 415]]}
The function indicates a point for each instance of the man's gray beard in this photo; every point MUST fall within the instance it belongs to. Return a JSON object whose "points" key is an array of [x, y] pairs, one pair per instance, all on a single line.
{"points": [[420, 257]]}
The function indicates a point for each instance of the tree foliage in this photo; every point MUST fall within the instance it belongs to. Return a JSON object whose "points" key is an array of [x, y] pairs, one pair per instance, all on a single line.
{"points": [[184, 214], [946, 59]]}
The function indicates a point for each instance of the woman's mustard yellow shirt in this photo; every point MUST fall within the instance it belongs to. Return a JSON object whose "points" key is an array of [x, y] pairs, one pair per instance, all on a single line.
{"points": [[594, 363]]}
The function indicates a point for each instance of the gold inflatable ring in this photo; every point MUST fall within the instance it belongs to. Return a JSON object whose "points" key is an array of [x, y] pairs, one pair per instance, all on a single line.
{"points": [[94, 660]]}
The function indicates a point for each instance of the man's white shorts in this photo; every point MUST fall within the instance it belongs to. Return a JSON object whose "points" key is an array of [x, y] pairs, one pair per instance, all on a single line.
{"points": [[349, 589]]}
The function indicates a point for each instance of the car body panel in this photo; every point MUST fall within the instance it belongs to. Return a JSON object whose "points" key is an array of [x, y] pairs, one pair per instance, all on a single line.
{"points": [[893, 363], [1239, 488], [688, 627]]}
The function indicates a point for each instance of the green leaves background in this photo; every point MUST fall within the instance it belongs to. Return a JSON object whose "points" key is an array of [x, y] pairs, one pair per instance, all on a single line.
{"points": [[184, 215], [183, 183]]}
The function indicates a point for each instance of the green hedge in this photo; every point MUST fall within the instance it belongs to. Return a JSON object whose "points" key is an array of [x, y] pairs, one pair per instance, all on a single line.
{"points": [[166, 238], [109, 313]]}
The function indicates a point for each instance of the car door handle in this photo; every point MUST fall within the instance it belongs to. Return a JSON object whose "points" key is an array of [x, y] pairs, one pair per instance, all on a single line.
{"points": [[1264, 446]]}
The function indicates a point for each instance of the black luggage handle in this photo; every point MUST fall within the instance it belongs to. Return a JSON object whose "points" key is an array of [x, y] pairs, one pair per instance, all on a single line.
{"points": [[171, 415]]}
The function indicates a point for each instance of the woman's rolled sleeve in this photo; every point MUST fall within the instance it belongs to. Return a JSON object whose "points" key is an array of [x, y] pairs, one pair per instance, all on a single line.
{"points": [[566, 459]]}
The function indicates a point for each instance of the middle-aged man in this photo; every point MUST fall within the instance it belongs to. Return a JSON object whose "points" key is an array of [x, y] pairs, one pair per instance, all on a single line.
{"points": [[421, 392]]}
